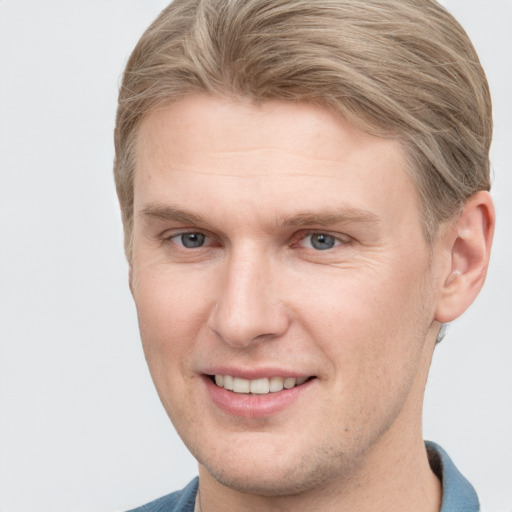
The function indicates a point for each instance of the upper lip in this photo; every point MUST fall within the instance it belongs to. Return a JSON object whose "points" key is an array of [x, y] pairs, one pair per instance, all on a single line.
{"points": [[254, 373]]}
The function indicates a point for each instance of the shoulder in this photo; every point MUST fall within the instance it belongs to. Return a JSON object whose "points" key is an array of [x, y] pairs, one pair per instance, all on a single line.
{"points": [[179, 501]]}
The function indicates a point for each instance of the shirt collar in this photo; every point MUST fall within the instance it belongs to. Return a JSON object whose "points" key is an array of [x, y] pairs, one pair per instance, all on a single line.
{"points": [[458, 493]]}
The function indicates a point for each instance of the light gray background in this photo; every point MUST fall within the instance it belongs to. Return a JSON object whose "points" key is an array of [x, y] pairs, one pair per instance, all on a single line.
{"points": [[81, 426]]}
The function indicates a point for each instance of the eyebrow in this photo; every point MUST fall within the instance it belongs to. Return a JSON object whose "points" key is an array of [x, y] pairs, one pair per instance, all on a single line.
{"points": [[343, 214], [164, 212], [339, 215]]}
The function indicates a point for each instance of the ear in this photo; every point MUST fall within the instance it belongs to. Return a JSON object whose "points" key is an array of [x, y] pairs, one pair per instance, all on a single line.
{"points": [[469, 250]]}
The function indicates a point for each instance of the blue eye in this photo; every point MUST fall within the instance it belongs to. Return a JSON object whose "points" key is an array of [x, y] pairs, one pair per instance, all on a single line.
{"points": [[321, 241], [191, 240]]}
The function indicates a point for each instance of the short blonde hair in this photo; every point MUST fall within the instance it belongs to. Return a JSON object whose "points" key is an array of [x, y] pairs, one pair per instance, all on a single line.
{"points": [[402, 69]]}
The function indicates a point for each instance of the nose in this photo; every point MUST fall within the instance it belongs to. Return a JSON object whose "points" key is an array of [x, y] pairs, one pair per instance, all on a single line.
{"points": [[248, 307]]}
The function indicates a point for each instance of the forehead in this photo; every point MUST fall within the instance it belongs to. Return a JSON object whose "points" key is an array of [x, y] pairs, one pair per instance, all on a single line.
{"points": [[216, 125], [278, 157]]}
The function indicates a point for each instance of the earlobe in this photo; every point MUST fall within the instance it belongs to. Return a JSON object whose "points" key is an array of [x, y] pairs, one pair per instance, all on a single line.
{"points": [[469, 250]]}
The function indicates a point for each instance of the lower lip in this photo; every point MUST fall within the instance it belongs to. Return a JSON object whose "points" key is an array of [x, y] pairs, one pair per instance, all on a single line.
{"points": [[253, 405]]}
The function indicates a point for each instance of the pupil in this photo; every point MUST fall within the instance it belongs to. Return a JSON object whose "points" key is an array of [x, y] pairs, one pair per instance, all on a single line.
{"points": [[192, 240], [322, 242]]}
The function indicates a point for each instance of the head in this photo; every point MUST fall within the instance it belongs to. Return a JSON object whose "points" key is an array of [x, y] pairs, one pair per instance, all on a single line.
{"points": [[302, 184]]}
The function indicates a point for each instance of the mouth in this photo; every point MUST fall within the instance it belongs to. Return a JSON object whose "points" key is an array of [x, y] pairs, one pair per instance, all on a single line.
{"points": [[262, 386]]}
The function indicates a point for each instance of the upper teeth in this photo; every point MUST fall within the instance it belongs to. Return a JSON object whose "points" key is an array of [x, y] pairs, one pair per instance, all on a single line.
{"points": [[258, 386]]}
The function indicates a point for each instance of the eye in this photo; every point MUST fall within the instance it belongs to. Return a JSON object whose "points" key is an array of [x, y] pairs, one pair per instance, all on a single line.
{"points": [[190, 240], [320, 241]]}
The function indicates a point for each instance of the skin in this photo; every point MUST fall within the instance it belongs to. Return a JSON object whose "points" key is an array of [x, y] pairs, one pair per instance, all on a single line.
{"points": [[360, 317]]}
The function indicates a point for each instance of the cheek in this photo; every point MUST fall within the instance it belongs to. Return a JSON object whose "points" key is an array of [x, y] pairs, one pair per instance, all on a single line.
{"points": [[370, 322], [170, 318], [171, 313], [373, 337]]}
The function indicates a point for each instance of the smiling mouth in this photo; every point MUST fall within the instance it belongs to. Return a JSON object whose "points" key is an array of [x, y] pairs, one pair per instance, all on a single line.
{"points": [[261, 386]]}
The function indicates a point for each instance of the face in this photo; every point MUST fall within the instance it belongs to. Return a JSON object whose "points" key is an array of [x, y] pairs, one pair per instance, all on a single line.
{"points": [[284, 290]]}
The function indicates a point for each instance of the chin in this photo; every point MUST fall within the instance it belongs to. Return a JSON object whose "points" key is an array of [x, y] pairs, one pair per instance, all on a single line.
{"points": [[280, 474]]}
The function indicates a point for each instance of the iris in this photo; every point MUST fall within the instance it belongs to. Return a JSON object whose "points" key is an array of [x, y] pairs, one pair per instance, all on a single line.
{"points": [[322, 241], [192, 240]]}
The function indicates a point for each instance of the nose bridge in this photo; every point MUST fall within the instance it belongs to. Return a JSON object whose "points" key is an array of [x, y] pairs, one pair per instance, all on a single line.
{"points": [[248, 306]]}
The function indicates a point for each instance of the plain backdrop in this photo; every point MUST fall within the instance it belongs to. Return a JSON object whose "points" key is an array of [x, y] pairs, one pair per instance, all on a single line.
{"points": [[80, 423]]}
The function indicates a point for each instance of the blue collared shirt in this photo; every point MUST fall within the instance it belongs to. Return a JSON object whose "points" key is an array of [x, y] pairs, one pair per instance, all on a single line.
{"points": [[458, 493]]}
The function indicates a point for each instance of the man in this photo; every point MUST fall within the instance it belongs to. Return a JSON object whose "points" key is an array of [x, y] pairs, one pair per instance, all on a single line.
{"points": [[304, 191]]}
